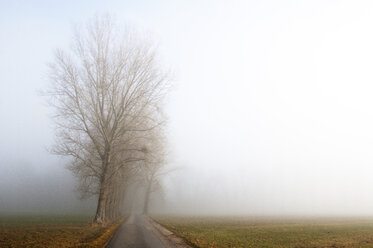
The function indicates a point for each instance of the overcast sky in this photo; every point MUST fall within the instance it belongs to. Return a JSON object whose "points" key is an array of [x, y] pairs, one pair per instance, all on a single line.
{"points": [[271, 113]]}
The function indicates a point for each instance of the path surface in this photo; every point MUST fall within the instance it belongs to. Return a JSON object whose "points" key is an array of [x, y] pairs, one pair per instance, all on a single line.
{"points": [[136, 232]]}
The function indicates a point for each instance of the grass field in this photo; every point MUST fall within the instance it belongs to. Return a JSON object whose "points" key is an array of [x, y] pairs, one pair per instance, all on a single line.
{"points": [[271, 232], [52, 231]]}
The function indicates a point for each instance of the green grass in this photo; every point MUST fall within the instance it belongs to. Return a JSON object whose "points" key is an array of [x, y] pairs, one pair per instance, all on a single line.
{"points": [[52, 231], [42, 220], [276, 232]]}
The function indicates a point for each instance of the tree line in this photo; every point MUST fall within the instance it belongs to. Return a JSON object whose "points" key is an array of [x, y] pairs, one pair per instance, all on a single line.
{"points": [[107, 93]]}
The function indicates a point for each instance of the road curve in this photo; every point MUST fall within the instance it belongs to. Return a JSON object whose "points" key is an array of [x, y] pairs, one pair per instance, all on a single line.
{"points": [[136, 232]]}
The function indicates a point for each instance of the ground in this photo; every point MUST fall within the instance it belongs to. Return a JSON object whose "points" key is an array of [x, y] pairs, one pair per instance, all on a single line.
{"points": [[52, 231], [275, 232], [223, 232], [137, 232]]}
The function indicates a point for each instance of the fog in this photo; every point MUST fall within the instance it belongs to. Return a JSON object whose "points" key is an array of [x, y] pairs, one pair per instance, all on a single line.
{"points": [[270, 112]]}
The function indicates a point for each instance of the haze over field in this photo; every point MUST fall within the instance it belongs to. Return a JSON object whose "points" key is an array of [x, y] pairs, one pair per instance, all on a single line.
{"points": [[271, 112]]}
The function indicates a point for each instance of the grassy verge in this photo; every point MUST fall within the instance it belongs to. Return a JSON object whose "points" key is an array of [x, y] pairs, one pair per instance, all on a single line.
{"points": [[264, 232], [53, 231]]}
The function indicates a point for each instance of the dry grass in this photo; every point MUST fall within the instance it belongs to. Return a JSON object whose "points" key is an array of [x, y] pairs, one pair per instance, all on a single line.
{"points": [[53, 231], [265, 232]]}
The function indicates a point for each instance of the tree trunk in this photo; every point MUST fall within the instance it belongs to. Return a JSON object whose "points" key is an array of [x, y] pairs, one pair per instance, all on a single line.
{"points": [[101, 207], [147, 198], [111, 202], [108, 206], [100, 217]]}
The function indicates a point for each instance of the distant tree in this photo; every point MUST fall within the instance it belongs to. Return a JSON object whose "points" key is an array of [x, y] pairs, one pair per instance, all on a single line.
{"points": [[107, 92], [152, 170], [149, 175]]}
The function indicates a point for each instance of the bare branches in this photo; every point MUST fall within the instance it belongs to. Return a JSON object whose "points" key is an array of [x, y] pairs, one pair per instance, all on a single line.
{"points": [[106, 93]]}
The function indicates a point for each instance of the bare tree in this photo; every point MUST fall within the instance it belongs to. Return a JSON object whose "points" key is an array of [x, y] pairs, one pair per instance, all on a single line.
{"points": [[150, 174], [106, 92]]}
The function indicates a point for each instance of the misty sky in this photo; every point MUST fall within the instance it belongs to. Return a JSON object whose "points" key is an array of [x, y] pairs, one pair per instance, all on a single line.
{"points": [[271, 112]]}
